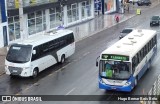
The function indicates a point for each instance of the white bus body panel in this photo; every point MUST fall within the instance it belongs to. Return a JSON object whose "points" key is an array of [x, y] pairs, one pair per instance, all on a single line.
{"points": [[44, 62], [67, 51]]}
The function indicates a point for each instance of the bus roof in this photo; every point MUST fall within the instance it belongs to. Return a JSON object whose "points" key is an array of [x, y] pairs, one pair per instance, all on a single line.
{"points": [[46, 37], [131, 43]]}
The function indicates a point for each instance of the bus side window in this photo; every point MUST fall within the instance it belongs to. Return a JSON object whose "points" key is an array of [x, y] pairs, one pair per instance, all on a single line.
{"points": [[146, 51], [154, 40], [133, 64], [150, 45], [141, 54], [72, 37], [139, 57], [147, 47]]}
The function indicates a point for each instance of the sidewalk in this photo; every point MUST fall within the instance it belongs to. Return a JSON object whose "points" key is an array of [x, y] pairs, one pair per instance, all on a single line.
{"points": [[96, 25], [3, 52]]}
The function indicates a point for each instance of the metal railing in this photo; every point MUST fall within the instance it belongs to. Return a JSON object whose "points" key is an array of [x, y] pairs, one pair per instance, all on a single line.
{"points": [[155, 90]]}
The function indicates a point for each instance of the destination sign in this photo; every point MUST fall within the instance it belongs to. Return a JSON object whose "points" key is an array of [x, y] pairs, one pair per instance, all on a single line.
{"points": [[115, 57]]}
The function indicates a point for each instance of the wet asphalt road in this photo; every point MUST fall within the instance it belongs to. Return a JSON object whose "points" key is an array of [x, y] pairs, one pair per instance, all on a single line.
{"points": [[79, 75]]}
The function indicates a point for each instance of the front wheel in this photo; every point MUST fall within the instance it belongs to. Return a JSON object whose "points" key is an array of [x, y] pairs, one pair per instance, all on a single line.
{"points": [[62, 59], [135, 82], [35, 73]]}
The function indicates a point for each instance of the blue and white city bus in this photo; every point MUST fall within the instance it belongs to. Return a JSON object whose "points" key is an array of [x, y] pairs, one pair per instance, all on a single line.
{"points": [[124, 63]]}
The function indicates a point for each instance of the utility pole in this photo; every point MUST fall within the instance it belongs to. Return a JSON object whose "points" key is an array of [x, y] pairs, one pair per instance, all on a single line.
{"points": [[21, 19]]}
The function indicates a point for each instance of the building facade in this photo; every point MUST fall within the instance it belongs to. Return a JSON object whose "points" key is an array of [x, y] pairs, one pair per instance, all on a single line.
{"points": [[34, 17], [3, 24]]}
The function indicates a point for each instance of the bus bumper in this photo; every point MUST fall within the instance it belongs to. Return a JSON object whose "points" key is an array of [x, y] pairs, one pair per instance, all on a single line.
{"points": [[115, 88], [22, 73]]}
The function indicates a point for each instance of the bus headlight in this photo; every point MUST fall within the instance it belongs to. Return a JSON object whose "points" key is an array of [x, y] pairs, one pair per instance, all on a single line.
{"points": [[6, 67], [127, 84], [25, 68], [101, 80]]}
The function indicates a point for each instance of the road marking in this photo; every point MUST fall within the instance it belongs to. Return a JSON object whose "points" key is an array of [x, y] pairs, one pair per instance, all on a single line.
{"points": [[86, 54], [70, 91], [50, 74]]}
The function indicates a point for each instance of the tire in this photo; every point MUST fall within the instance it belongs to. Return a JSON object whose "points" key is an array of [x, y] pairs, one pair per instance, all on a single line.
{"points": [[35, 73], [135, 82], [62, 59]]}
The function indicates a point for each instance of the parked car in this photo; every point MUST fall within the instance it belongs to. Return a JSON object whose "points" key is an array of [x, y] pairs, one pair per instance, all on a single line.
{"points": [[143, 2], [131, 1], [155, 20], [124, 32]]}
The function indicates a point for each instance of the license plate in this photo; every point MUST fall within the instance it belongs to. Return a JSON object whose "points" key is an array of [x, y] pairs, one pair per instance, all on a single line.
{"points": [[113, 88], [15, 71]]}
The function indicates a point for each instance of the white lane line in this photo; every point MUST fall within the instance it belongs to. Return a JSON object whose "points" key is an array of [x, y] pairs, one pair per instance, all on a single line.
{"points": [[70, 91], [86, 54]]}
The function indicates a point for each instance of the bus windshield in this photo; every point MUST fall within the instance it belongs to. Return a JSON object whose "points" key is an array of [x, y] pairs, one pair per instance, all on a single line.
{"points": [[19, 53], [116, 70]]}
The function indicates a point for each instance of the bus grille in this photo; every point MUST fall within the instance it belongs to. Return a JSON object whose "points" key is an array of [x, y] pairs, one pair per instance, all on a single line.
{"points": [[15, 70]]}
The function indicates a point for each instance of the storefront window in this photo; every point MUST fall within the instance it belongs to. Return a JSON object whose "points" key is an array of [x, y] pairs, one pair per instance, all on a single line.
{"points": [[36, 22], [109, 6], [72, 12], [14, 28], [55, 17], [86, 9]]}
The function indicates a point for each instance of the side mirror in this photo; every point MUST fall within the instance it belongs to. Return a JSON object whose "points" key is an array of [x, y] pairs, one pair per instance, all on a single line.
{"points": [[34, 52], [97, 63], [7, 49], [97, 60]]}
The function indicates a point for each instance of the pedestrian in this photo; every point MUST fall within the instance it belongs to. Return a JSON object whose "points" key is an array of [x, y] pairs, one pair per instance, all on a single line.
{"points": [[128, 8], [116, 17], [133, 2]]}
